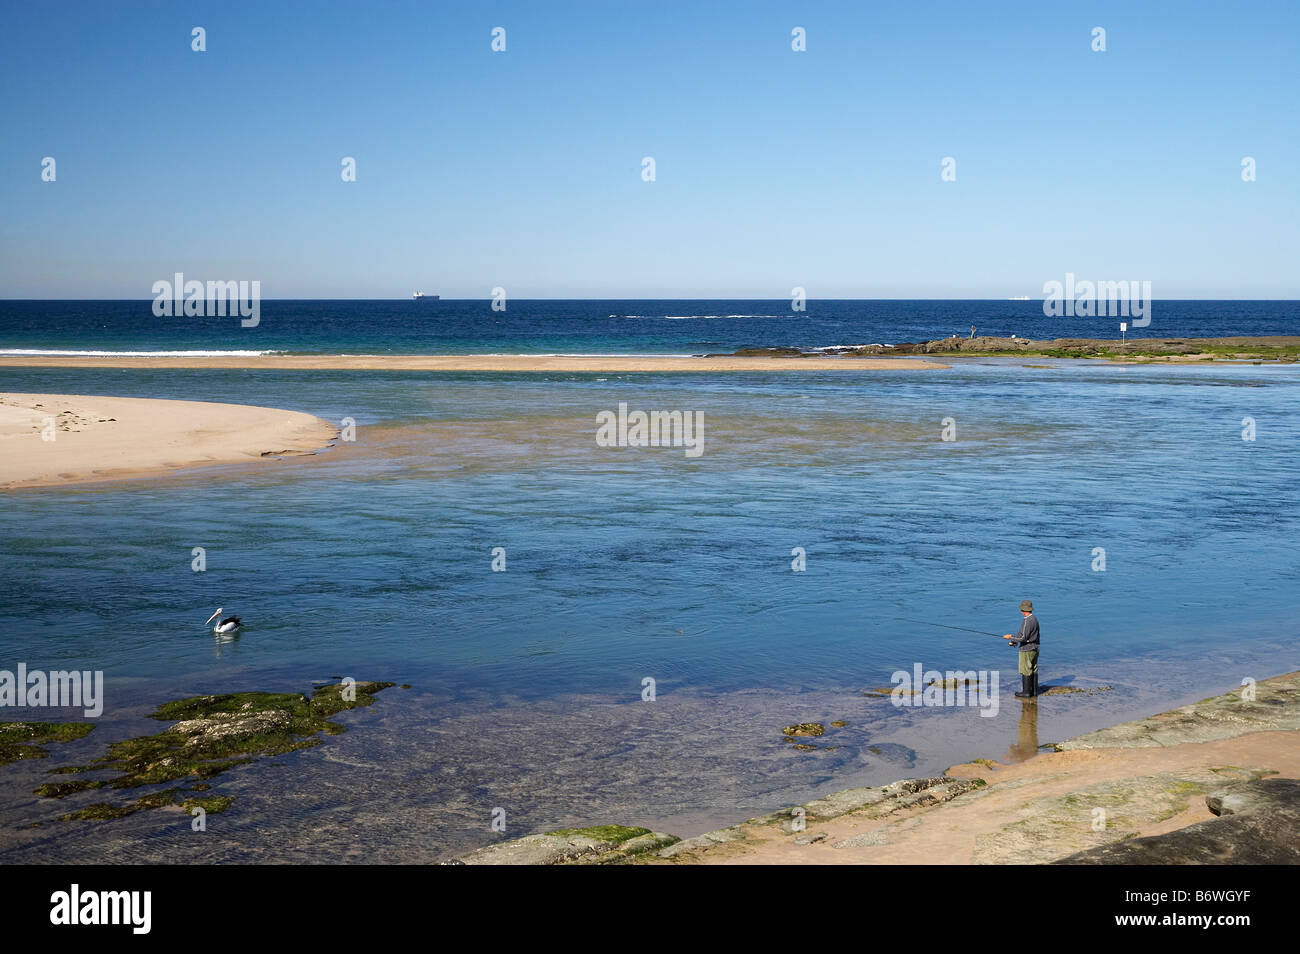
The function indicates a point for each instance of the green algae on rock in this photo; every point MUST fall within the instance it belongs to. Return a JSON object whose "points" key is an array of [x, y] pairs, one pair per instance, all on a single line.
{"points": [[104, 811], [211, 804], [211, 735], [805, 728], [100, 811], [612, 834], [26, 740]]}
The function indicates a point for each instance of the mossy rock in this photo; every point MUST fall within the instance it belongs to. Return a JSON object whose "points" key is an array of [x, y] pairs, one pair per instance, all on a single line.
{"points": [[26, 740], [610, 834], [169, 796], [805, 729], [64, 789], [211, 804], [100, 811], [212, 734]]}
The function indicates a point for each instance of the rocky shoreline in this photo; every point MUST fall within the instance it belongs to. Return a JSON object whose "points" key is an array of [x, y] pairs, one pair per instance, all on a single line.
{"points": [[1280, 348], [1105, 797]]}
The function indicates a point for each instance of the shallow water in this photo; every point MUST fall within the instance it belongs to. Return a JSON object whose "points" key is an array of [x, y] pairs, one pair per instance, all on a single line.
{"points": [[373, 560]]}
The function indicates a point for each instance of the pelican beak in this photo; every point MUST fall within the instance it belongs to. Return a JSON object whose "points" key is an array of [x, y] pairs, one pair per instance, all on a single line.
{"points": [[213, 616]]}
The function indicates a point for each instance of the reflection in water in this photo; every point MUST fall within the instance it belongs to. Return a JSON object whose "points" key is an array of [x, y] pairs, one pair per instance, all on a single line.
{"points": [[221, 640], [1026, 744]]}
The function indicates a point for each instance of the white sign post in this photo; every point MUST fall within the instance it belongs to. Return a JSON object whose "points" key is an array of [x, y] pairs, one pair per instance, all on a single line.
{"points": [[1123, 327]]}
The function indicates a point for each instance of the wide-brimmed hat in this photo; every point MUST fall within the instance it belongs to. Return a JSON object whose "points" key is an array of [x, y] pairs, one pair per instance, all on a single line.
{"points": [[1025, 605]]}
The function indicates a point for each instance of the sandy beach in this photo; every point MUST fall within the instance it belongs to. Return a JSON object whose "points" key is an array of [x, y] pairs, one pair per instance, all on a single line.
{"points": [[51, 439], [476, 362]]}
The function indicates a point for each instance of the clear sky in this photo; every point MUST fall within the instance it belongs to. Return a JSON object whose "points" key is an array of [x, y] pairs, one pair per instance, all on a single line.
{"points": [[774, 168]]}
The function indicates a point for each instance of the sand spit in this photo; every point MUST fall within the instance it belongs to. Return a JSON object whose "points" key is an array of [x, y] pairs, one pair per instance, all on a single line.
{"points": [[53, 439]]}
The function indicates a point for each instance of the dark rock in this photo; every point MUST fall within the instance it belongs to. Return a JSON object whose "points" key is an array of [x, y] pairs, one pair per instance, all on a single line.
{"points": [[1258, 824]]}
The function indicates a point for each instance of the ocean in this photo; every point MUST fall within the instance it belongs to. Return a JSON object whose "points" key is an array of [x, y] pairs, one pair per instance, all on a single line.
{"points": [[590, 326], [374, 560]]}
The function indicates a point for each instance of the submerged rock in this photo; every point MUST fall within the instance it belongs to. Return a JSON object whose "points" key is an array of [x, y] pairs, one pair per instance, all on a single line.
{"points": [[805, 729], [211, 735], [1074, 690], [953, 683], [27, 740]]}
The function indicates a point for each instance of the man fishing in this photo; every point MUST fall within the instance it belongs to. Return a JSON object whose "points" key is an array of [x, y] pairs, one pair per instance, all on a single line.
{"points": [[1027, 640]]}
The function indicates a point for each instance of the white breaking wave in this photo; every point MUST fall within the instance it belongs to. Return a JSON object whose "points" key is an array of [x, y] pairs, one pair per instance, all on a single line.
{"points": [[43, 352], [687, 317], [837, 347]]}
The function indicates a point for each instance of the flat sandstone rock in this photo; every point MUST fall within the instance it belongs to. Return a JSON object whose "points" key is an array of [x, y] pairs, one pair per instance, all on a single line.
{"points": [[1258, 823]]}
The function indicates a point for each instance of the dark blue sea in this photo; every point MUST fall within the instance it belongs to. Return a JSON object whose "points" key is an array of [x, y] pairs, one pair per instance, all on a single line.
{"points": [[592, 327]]}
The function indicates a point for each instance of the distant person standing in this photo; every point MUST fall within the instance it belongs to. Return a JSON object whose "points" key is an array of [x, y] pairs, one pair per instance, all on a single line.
{"points": [[972, 332], [1027, 640]]}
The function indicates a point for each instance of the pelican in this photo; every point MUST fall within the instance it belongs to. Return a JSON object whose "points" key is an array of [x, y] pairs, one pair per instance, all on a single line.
{"points": [[227, 625]]}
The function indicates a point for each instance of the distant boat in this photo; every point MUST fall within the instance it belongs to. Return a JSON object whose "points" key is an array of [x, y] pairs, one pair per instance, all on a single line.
{"points": [[419, 295], [1019, 298]]}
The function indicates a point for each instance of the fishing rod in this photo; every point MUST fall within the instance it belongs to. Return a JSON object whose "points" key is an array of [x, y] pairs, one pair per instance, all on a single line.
{"points": [[963, 629]]}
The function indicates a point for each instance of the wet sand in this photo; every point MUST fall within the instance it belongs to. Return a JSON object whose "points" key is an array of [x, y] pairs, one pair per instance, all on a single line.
{"points": [[53, 439], [1029, 796]]}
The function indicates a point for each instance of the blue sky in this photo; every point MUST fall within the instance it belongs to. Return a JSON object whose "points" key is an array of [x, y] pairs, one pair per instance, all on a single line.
{"points": [[774, 168]]}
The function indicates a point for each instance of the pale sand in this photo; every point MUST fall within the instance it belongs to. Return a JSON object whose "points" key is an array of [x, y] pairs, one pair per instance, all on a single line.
{"points": [[106, 438], [966, 830], [477, 362]]}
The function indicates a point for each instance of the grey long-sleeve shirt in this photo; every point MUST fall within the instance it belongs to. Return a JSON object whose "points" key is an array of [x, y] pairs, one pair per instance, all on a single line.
{"points": [[1027, 638]]}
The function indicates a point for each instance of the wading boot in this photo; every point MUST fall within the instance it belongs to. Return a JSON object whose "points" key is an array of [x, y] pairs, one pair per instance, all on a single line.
{"points": [[1024, 692], [1033, 686]]}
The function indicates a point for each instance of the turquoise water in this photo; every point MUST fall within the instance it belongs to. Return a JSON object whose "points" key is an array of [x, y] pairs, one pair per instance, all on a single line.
{"points": [[373, 560]]}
